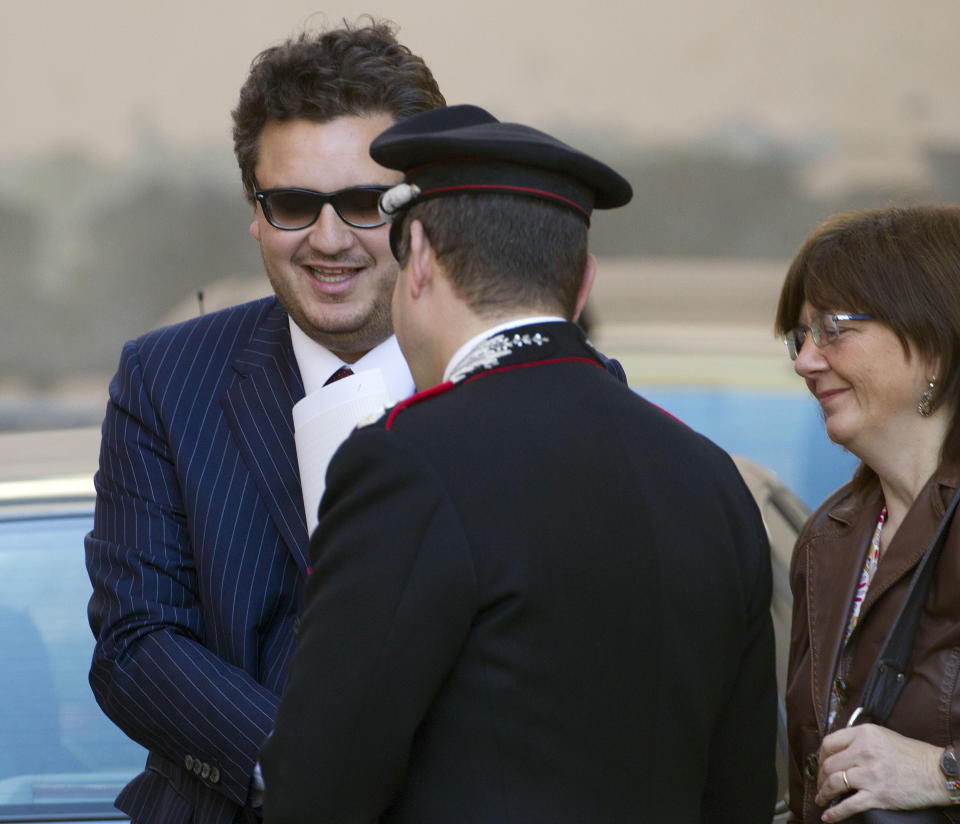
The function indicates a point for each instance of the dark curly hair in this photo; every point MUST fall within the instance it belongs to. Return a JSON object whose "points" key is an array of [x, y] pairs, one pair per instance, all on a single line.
{"points": [[354, 70]]}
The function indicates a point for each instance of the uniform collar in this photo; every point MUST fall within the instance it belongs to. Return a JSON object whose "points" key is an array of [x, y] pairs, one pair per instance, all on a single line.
{"points": [[468, 348]]}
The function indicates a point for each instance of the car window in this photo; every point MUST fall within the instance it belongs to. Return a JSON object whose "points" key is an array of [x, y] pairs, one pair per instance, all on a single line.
{"points": [[61, 755]]}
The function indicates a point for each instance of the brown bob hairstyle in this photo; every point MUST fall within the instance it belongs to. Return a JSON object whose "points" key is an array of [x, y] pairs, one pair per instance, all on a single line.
{"points": [[900, 265]]}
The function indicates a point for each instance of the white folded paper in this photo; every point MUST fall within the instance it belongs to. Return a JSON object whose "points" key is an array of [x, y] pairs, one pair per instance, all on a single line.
{"points": [[323, 420]]}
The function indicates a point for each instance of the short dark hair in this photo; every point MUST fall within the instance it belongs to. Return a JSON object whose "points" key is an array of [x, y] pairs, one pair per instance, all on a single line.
{"points": [[902, 266], [503, 250], [354, 70]]}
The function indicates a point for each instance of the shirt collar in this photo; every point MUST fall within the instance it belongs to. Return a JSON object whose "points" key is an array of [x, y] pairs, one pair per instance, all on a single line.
{"points": [[317, 364], [471, 344]]}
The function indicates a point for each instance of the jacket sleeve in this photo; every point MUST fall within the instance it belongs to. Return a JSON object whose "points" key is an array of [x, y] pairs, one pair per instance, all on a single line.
{"points": [[388, 605], [152, 673], [742, 781]]}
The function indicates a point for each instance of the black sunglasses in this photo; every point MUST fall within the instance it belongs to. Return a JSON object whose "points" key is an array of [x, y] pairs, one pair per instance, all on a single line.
{"points": [[292, 209]]}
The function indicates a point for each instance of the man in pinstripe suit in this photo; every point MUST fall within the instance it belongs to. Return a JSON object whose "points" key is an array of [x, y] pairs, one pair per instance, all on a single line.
{"points": [[198, 551]]}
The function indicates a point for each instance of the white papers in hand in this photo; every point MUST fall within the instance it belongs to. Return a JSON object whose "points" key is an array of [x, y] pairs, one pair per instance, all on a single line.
{"points": [[323, 420]]}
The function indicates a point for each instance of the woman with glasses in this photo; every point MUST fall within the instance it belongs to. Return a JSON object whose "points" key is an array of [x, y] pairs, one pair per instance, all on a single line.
{"points": [[870, 311]]}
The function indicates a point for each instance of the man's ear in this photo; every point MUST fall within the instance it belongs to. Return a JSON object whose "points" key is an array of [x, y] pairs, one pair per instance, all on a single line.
{"points": [[586, 284], [255, 229], [421, 262]]}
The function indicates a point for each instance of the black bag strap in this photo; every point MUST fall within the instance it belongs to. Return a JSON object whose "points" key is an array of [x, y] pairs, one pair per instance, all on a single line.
{"points": [[891, 670]]}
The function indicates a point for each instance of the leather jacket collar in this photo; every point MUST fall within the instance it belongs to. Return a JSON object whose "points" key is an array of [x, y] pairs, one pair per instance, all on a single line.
{"points": [[836, 542]]}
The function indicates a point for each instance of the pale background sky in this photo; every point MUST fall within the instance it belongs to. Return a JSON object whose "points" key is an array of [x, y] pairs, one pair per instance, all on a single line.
{"points": [[880, 72], [741, 123]]}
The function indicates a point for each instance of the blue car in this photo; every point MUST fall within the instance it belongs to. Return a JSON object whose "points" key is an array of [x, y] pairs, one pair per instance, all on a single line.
{"points": [[62, 759]]}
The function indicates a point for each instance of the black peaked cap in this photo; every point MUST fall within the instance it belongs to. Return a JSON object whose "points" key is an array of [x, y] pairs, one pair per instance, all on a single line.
{"points": [[465, 148]]}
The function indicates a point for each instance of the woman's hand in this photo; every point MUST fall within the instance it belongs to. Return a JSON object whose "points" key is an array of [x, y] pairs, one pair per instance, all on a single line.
{"points": [[876, 767]]}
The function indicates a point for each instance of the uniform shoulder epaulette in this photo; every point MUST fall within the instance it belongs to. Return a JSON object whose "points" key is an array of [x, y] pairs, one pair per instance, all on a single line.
{"points": [[373, 417], [439, 389]]}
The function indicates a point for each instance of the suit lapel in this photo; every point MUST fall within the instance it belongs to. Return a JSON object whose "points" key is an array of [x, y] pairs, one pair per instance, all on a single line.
{"points": [[258, 407], [835, 564], [909, 544], [828, 564]]}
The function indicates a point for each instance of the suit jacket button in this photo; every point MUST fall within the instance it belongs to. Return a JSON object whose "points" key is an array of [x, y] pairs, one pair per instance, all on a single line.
{"points": [[197, 766], [188, 762], [214, 775], [205, 772], [812, 767]]}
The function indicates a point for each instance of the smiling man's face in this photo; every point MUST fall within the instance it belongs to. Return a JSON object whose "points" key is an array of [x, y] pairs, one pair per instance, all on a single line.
{"points": [[334, 280]]}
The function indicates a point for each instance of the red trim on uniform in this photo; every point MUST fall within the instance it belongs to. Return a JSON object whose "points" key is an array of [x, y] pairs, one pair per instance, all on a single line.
{"points": [[472, 187], [446, 386], [668, 414], [439, 389], [533, 363]]}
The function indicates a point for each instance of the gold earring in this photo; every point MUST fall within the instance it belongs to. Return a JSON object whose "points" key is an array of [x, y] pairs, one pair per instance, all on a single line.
{"points": [[925, 406]]}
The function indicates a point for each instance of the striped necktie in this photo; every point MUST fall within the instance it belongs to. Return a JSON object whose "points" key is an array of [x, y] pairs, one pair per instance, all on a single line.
{"points": [[342, 372]]}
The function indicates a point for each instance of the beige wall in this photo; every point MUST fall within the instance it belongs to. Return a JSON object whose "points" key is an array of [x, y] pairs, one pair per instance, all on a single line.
{"points": [[875, 73], [740, 123]]}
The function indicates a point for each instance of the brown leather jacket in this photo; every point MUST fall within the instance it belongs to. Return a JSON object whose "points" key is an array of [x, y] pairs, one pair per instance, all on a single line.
{"points": [[827, 562]]}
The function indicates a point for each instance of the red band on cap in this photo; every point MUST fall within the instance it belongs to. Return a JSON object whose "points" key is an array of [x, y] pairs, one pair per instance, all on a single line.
{"points": [[468, 187]]}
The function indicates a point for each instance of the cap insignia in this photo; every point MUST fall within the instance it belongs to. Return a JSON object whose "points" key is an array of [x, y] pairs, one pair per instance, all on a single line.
{"points": [[396, 198]]}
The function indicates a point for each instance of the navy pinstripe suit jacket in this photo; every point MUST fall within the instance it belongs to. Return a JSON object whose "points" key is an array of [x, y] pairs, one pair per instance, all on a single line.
{"points": [[197, 556]]}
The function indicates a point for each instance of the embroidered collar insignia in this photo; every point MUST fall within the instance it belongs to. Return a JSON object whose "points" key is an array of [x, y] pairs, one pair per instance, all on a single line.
{"points": [[488, 353]]}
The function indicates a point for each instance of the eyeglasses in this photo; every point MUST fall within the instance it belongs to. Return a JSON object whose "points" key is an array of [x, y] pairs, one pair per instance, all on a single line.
{"points": [[292, 209], [823, 328]]}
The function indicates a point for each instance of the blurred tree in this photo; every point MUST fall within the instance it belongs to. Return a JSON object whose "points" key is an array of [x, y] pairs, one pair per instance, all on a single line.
{"points": [[144, 251], [19, 240]]}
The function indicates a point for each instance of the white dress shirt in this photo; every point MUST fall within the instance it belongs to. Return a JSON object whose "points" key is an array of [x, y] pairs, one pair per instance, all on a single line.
{"points": [[317, 364]]}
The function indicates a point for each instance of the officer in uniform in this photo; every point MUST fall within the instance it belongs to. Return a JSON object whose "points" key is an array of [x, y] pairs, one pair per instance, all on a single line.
{"points": [[534, 597]]}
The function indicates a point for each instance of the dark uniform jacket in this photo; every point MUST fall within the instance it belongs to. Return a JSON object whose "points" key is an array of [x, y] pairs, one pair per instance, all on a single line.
{"points": [[826, 566], [534, 597]]}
